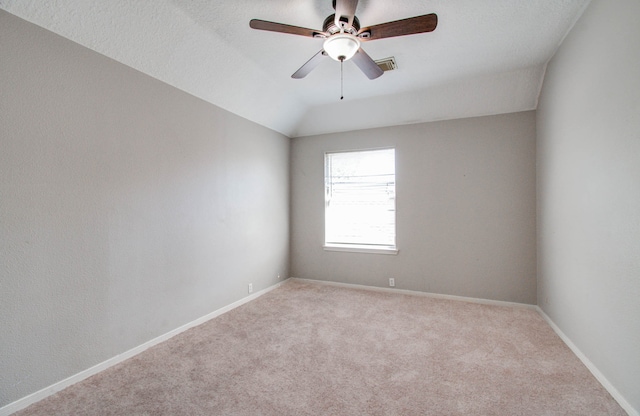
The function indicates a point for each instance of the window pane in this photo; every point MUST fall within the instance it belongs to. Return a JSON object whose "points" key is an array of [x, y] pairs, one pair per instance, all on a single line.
{"points": [[360, 198]]}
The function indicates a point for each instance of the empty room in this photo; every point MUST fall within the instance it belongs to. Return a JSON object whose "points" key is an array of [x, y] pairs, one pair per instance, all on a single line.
{"points": [[317, 207]]}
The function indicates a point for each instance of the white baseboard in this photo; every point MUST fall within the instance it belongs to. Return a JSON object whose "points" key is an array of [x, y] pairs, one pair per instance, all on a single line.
{"points": [[54, 388], [417, 293], [594, 370]]}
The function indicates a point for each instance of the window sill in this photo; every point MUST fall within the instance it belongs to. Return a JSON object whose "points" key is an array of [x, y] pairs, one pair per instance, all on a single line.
{"points": [[352, 248]]}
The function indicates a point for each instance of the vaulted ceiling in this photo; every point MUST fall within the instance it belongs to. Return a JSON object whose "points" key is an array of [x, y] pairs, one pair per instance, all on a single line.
{"points": [[485, 57]]}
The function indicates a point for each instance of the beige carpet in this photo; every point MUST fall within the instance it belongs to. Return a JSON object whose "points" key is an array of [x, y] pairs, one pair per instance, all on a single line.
{"points": [[311, 349]]}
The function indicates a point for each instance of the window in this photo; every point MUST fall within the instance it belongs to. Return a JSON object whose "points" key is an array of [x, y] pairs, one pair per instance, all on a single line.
{"points": [[360, 201]]}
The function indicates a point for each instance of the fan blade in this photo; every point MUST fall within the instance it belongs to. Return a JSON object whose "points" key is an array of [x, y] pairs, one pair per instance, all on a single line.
{"points": [[366, 64], [345, 12], [309, 65], [410, 26], [282, 28]]}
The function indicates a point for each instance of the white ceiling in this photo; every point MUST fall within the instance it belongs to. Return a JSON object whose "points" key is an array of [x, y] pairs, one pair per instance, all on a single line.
{"points": [[485, 57]]}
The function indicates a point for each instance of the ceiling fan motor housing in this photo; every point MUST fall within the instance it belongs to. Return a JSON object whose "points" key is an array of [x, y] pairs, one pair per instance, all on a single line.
{"points": [[329, 26]]}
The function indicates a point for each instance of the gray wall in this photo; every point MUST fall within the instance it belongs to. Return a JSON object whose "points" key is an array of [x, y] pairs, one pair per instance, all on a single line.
{"points": [[465, 209], [589, 191], [127, 208]]}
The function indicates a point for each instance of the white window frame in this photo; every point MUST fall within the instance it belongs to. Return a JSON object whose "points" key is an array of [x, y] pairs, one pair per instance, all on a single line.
{"points": [[352, 247]]}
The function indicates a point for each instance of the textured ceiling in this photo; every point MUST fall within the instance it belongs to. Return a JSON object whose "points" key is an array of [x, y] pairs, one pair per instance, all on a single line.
{"points": [[485, 57]]}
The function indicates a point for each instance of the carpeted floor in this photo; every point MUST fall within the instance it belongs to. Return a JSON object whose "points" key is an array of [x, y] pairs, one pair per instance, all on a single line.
{"points": [[312, 349]]}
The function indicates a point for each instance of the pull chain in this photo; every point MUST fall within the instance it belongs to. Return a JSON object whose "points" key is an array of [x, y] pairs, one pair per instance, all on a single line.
{"points": [[341, 80]]}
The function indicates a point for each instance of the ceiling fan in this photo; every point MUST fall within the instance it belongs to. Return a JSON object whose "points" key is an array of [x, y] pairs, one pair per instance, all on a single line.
{"points": [[343, 36]]}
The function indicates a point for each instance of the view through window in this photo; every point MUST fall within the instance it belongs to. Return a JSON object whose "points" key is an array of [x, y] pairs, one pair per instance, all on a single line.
{"points": [[360, 199]]}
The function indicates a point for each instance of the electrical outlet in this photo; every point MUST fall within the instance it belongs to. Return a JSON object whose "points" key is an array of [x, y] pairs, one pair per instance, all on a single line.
{"points": [[392, 282], [250, 287]]}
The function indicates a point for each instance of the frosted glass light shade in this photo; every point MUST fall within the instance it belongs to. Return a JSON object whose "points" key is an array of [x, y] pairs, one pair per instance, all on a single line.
{"points": [[341, 46]]}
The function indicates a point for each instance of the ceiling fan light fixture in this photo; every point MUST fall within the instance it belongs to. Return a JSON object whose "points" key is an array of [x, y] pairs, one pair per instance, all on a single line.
{"points": [[341, 46]]}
